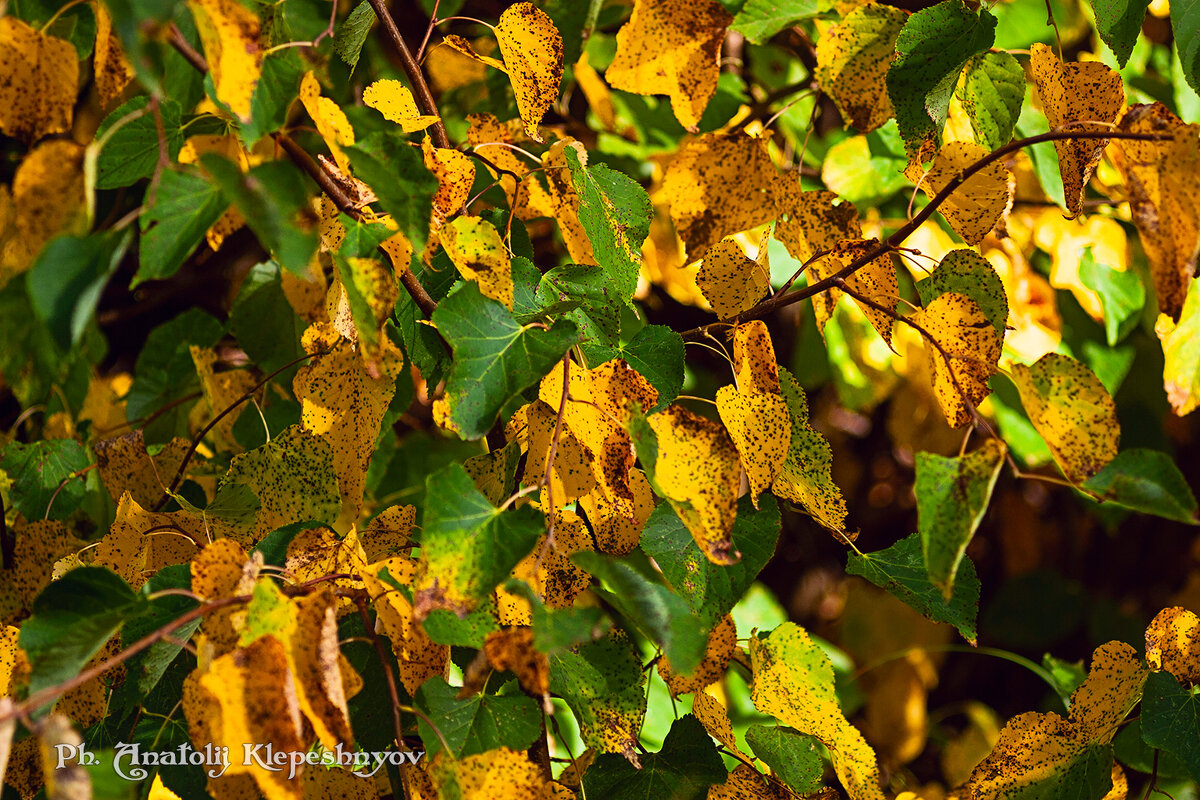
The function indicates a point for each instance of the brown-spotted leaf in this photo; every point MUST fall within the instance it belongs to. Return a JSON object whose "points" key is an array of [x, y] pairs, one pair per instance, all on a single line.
{"points": [[806, 475], [229, 34], [1173, 644], [39, 77], [528, 198], [38, 546], [389, 534], [1074, 413], [747, 783], [875, 281], [532, 49], [455, 173], [329, 118], [722, 641], [394, 100], [418, 656], [715, 719], [793, 682], [618, 531], [761, 430], [221, 391], [476, 249], [731, 282], [140, 542], [512, 649], [126, 466], [47, 199], [718, 184], [1077, 92], [1162, 180], [853, 59], [971, 351], [754, 366], [109, 64], [810, 222], [672, 47], [499, 774], [974, 208]]}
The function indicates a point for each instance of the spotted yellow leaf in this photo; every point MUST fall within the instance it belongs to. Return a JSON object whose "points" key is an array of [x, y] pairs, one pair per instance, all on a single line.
{"points": [[747, 783], [761, 431], [528, 198], [229, 33], [793, 682], [329, 118], [874, 283], [722, 641], [47, 199], [418, 656], [672, 47], [974, 208], [853, 59], [731, 282], [1078, 96], [968, 354], [754, 366], [1073, 412], [1181, 350], [811, 222], [499, 774], [139, 542], [476, 249], [112, 69], [455, 173], [394, 100], [1173, 644], [617, 530], [805, 477], [126, 466], [715, 719], [39, 77]]}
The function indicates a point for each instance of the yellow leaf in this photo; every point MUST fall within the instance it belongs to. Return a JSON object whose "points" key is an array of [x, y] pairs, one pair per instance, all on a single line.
{"points": [[221, 390], [810, 222], [1044, 748], [1073, 412], [754, 366], [512, 649], [526, 197], [418, 656], [532, 49], [572, 476], [1079, 92], [38, 545], [112, 70], [715, 719], [1163, 184], [617, 531], [550, 571], [747, 783], [672, 47], [126, 466], [722, 641], [793, 682], [450, 68], [499, 774], [316, 552], [10, 655], [1066, 240], [140, 542], [974, 208], [595, 90], [39, 76], [718, 184], [393, 99], [561, 200], [805, 477], [455, 173], [1173, 644], [48, 199], [476, 249], [875, 281], [222, 570], [1181, 350], [730, 282], [760, 429], [972, 350], [467, 49], [389, 533], [229, 33], [852, 60], [330, 120], [698, 472]]}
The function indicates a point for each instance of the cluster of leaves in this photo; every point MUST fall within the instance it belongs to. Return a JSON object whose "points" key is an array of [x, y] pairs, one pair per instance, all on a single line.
{"points": [[436, 267]]}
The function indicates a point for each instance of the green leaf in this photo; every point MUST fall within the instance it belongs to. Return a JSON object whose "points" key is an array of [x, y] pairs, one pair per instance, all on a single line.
{"points": [[351, 35], [495, 359], [683, 769], [186, 206], [1147, 481], [1067, 676], [470, 631], [952, 497], [711, 590], [66, 281], [597, 311], [38, 469], [263, 321], [615, 212], [662, 615], [72, 619], [991, 94], [1119, 22], [759, 20], [397, 174], [656, 352], [132, 151], [931, 51], [476, 724], [900, 569], [970, 274], [1171, 719], [1121, 293], [604, 685], [558, 629], [277, 87], [467, 545], [575, 20], [791, 755], [269, 196]]}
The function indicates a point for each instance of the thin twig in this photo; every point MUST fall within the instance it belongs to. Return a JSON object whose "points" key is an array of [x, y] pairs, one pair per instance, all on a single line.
{"points": [[558, 421], [185, 49], [389, 678], [416, 77]]}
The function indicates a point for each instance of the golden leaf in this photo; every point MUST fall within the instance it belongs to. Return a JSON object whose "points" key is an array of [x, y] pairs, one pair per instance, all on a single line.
{"points": [[393, 99], [389, 533], [722, 641], [874, 281], [550, 571], [1076, 96], [809, 222], [329, 118], [561, 200], [47, 197], [747, 783], [229, 33], [10, 655], [595, 90], [126, 466], [972, 346], [672, 47], [221, 390], [478, 252], [1073, 412], [805, 477], [38, 545], [754, 366], [222, 570], [512, 649], [1173, 644], [526, 197], [617, 532], [418, 656], [455, 173], [39, 76], [974, 208], [715, 719], [532, 49], [112, 70], [140, 542], [852, 60], [731, 282], [316, 552], [499, 774], [1181, 350], [760, 429]]}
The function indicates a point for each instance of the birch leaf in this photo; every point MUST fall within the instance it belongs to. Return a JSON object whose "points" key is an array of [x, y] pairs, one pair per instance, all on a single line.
{"points": [[1181, 348], [754, 365], [853, 59], [805, 477], [973, 349], [730, 282], [229, 33], [39, 77], [532, 49], [112, 69], [329, 118], [1173, 644], [476, 249], [394, 100], [974, 208], [760, 429]]}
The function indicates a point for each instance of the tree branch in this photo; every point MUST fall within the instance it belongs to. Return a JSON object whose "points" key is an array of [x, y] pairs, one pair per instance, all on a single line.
{"points": [[416, 77]]}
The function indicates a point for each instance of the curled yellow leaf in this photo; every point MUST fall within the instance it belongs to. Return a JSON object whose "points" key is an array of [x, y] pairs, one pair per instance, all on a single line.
{"points": [[112, 69]]}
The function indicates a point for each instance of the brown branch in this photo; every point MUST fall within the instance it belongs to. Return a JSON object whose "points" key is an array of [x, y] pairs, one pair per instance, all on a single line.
{"points": [[558, 421], [389, 678], [416, 77], [189, 53], [778, 301]]}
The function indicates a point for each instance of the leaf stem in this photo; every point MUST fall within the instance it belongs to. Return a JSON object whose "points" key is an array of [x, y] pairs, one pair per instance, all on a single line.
{"points": [[420, 86], [389, 678]]}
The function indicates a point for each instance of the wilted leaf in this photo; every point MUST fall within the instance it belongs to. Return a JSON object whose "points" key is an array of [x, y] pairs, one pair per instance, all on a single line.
{"points": [[39, 76], [974, 208], [394, 100], [722, 641], [972, 346], [229, 33], [476, 249], [112, 70], [852, 60]]}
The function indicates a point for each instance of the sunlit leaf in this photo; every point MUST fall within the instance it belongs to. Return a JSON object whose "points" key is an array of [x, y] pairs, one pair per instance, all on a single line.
{"points": [[992, 91], [1173, 644], [394, 100], [805, 477], [1181, 347], [1119, 24], [971, 350], [971, 275], [759, 20], [479, 253], [731, 282], [974, 208], [852, 60], [229, 32], [329, 118], [792, 757]]}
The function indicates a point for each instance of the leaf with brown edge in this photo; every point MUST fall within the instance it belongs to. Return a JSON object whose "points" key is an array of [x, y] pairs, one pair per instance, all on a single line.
{"points": [[477, 251], [1173, 644], [760, 429], [418, 656], [394, 100], [973, 349], [806, 475], [718, 184], [731, 282], [617, 532], [698, 471], [672, 47], [1163, 183], [329, 118], [229, 33], [39, 77], [1077, 92], [109, 64], [853, 59], [512, 649], [1046, 753], [722, 641], [977, 206], [793, 682], [1073, 412], [532, 49]]}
